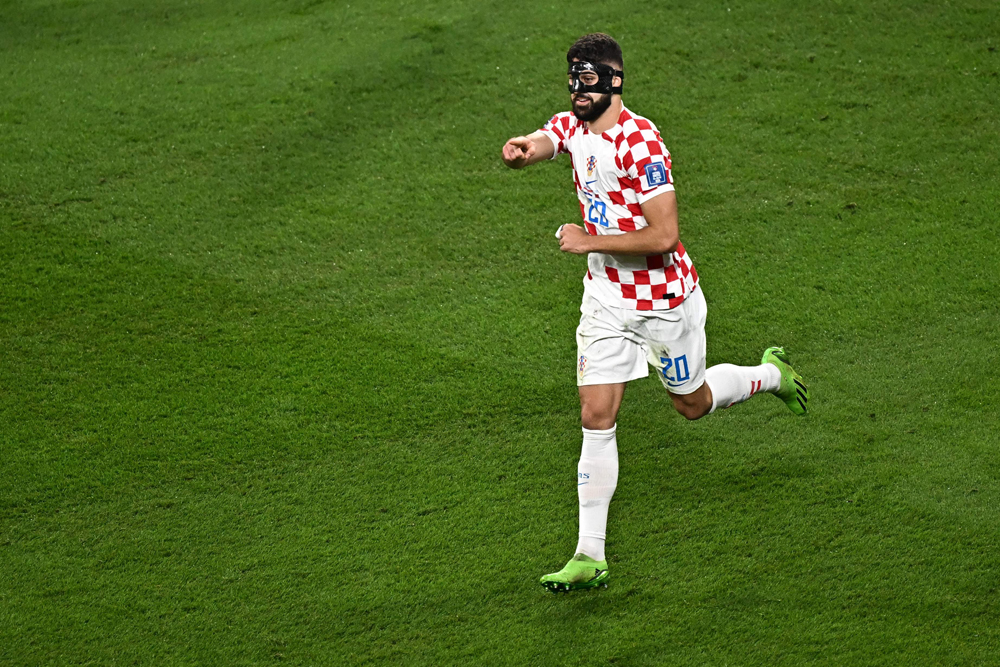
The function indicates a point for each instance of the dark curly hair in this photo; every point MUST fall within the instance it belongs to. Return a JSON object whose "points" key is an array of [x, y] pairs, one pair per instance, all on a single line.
{"points": [[597, 48]]}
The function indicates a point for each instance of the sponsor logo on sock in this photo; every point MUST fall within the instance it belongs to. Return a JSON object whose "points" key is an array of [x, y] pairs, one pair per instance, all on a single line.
{"points": [[584, 476]]}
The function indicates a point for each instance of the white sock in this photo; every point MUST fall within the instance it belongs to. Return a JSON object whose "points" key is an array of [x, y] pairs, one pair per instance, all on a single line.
{"points": [[734, 384], [597, 477]]}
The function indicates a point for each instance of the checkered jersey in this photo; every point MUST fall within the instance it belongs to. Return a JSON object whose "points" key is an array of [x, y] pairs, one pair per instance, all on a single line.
{"points": [[615, 172]]}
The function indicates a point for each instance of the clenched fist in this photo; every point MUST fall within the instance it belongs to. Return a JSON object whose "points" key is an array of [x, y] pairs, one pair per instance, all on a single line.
{"points": [[574, 239]]}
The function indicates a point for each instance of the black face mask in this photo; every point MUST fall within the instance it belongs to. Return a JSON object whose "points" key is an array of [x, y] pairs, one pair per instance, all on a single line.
{"points": [[605, 76]]}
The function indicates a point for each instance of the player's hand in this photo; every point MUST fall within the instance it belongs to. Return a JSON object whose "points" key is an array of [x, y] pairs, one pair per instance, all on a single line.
{"points": [[574, 239], [517, 151]]}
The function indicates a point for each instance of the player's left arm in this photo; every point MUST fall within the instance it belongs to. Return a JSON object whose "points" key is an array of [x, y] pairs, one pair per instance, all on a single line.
{"points": [[659, 237]]}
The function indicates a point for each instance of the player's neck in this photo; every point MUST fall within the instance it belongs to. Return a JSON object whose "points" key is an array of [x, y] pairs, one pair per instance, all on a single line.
{"points": [[609, 118]]}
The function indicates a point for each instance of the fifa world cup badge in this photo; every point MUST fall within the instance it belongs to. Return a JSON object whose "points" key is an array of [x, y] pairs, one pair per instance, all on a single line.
{"points": [[655, 174]]}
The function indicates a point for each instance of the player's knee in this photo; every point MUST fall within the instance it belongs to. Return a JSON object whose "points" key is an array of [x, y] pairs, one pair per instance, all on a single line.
{"points": [[596, 420]]}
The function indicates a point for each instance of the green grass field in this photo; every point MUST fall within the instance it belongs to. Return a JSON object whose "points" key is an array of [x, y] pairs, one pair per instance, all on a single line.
{"points": [[287, 366]]}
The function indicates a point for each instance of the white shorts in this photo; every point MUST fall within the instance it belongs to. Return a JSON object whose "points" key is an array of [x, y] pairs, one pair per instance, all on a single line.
{"points": [[615, 344]]}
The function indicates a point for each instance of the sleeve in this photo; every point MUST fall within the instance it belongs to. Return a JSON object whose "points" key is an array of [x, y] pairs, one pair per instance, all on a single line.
{"points": [[557, 130], [645, 159]]}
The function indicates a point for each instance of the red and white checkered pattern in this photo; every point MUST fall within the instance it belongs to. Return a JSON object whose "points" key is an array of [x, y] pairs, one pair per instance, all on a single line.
{"points": [[631, 167], [560, 128]]}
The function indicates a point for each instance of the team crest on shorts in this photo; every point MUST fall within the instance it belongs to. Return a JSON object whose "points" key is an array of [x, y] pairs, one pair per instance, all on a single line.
{"points": [[591, 164], [582, 366]]}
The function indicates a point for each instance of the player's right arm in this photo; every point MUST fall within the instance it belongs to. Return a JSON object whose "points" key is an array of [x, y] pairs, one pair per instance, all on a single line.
{"points": [[519, 152]]}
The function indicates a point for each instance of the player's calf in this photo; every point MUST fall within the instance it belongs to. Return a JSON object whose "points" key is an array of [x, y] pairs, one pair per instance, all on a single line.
{"points": [[695, 405]]}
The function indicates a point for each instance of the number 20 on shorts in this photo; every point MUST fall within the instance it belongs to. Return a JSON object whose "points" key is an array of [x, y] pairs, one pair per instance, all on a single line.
{"points": [[675, 371]]}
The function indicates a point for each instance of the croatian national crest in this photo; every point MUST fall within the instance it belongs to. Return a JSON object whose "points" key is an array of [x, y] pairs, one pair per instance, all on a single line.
{"points": [[582, 366], [591, 164]]}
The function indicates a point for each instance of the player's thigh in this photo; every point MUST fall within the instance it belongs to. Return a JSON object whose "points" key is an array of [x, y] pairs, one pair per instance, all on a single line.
{"points": [[675, 346]]}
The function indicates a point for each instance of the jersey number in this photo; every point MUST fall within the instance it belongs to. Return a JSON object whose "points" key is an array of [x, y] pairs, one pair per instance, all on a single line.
{"points": [[675, 371], [596, 213]]}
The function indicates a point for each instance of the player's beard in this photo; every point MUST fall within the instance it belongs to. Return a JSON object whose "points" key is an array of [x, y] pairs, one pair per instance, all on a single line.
{"points": [[597, 107]]}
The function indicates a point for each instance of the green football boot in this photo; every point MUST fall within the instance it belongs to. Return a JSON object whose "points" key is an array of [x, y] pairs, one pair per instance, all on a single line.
{"points": [[580, 573], [792, 390]]}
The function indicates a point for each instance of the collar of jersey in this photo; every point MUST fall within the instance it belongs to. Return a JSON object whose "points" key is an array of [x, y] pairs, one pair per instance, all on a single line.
{"points": [[611, 132]]}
